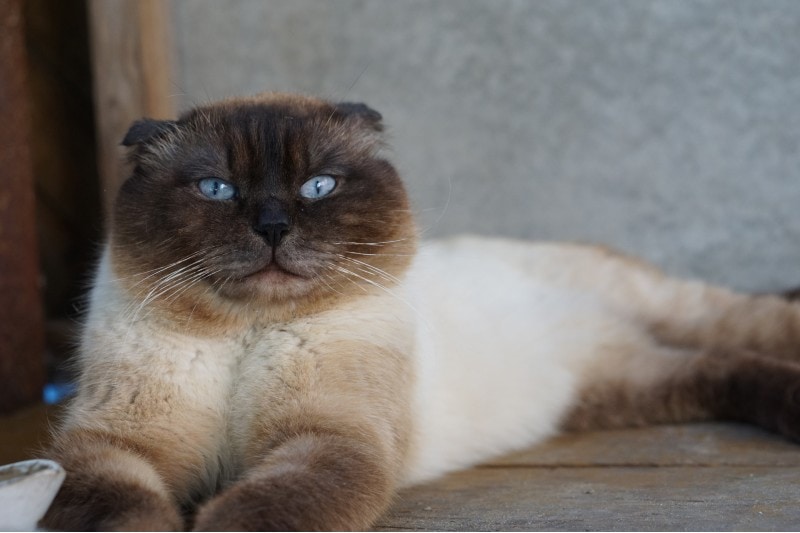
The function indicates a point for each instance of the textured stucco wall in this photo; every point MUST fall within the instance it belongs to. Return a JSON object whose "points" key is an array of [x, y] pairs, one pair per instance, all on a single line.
{"points": [[665, 128]]}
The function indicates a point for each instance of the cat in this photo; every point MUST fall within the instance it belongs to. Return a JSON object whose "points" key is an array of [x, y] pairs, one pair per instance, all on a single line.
{"points": [[268, 345]]}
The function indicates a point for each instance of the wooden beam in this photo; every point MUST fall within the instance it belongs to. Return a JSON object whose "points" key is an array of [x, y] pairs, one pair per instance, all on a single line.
{"points": [[132, 65], [68, 205], [21, 330]]}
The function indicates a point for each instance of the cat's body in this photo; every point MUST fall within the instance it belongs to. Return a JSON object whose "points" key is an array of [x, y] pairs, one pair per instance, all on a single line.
{"points": [[305, 400]]}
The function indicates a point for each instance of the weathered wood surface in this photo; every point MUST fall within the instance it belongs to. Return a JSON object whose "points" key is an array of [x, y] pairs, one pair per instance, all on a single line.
{"points": [[132, 59], [696, 478]]}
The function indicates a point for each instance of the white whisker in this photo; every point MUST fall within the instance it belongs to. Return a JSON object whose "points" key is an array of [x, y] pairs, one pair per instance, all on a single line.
{"points": [[325, 279], [191, 282], [348, 252], [385, 289], [376, 243], [375, 270], [347, 273], [153, 271]]}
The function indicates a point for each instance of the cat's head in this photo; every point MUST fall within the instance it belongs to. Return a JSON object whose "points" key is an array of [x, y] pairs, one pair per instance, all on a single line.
{"points": [[275, 200]]}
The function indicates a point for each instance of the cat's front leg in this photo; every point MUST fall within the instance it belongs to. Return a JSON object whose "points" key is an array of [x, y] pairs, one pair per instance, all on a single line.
{"points": [[109, 486], [327, 436], [143, 435], [315, 481]]}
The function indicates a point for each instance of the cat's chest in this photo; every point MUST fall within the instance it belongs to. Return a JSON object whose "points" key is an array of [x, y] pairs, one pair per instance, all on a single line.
{"points": [[268, 354], [275, 367], [271, 361]]}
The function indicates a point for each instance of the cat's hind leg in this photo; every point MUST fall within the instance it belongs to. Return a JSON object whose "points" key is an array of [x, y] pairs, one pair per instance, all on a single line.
{"points": [[714, 318], [704, 352], [685, 313], [675, 311]]}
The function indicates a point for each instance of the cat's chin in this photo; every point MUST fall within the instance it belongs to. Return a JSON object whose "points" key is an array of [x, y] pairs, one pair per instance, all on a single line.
{"points": [[276, 283], [273, 273]]}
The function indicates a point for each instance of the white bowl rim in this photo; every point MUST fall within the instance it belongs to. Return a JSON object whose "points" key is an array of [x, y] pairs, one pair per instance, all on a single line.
{"points": [[22, 470]]}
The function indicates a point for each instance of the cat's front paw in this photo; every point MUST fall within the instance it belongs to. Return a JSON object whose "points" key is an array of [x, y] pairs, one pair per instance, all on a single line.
{"points": [[92, 503], [247, 506], [285, 503]]}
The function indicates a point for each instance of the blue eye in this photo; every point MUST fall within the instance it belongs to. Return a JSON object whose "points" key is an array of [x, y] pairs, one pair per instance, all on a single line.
{"points": [[318, 187], [216, 189]]}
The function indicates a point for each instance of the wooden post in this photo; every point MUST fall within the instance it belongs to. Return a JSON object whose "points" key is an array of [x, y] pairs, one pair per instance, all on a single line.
{"points": [[131, 56], [21, 329]]}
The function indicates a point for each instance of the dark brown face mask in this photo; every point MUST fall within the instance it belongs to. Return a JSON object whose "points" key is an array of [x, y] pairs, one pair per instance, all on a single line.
{"points": [[275, 196]]}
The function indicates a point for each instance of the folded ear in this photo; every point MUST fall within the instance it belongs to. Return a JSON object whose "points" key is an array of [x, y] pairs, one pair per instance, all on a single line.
{"points": [[146, 129], [363, 112]]}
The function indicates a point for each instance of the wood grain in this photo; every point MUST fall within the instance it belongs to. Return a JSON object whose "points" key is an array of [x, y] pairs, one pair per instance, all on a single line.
{"points": [[694, 478], [64, 158], [132, 64], [21, 330]]}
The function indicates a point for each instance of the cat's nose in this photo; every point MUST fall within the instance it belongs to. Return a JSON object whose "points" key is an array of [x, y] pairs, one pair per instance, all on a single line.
{"points": [[272, 223]]}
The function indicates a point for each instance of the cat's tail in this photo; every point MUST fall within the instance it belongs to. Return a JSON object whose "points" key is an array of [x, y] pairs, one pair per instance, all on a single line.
{"points": [[791, 294], [695, 386]]}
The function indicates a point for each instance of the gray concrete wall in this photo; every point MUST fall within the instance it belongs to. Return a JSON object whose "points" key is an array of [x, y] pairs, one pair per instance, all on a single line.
{"points": [[668, 129]]}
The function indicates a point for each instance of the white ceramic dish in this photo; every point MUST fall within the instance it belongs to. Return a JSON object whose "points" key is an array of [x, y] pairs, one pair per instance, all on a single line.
{"points": [[26, 491]]}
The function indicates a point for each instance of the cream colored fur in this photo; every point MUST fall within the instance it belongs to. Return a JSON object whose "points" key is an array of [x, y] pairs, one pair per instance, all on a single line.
{"points": [[482, 349]]}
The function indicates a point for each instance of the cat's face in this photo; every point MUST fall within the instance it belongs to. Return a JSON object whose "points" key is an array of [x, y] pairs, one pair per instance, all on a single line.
{"points": [[272, 200]]}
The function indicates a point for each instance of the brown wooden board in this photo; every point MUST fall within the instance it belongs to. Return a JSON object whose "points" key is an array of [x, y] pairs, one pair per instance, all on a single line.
{"points": [[62, 144], [21, 333], [688, 478], [678, 445], [131, 56]]}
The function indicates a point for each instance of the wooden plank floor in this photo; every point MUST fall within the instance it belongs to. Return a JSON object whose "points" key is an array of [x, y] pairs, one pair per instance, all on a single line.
{"points": [[677, 478], [693, 478]]}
